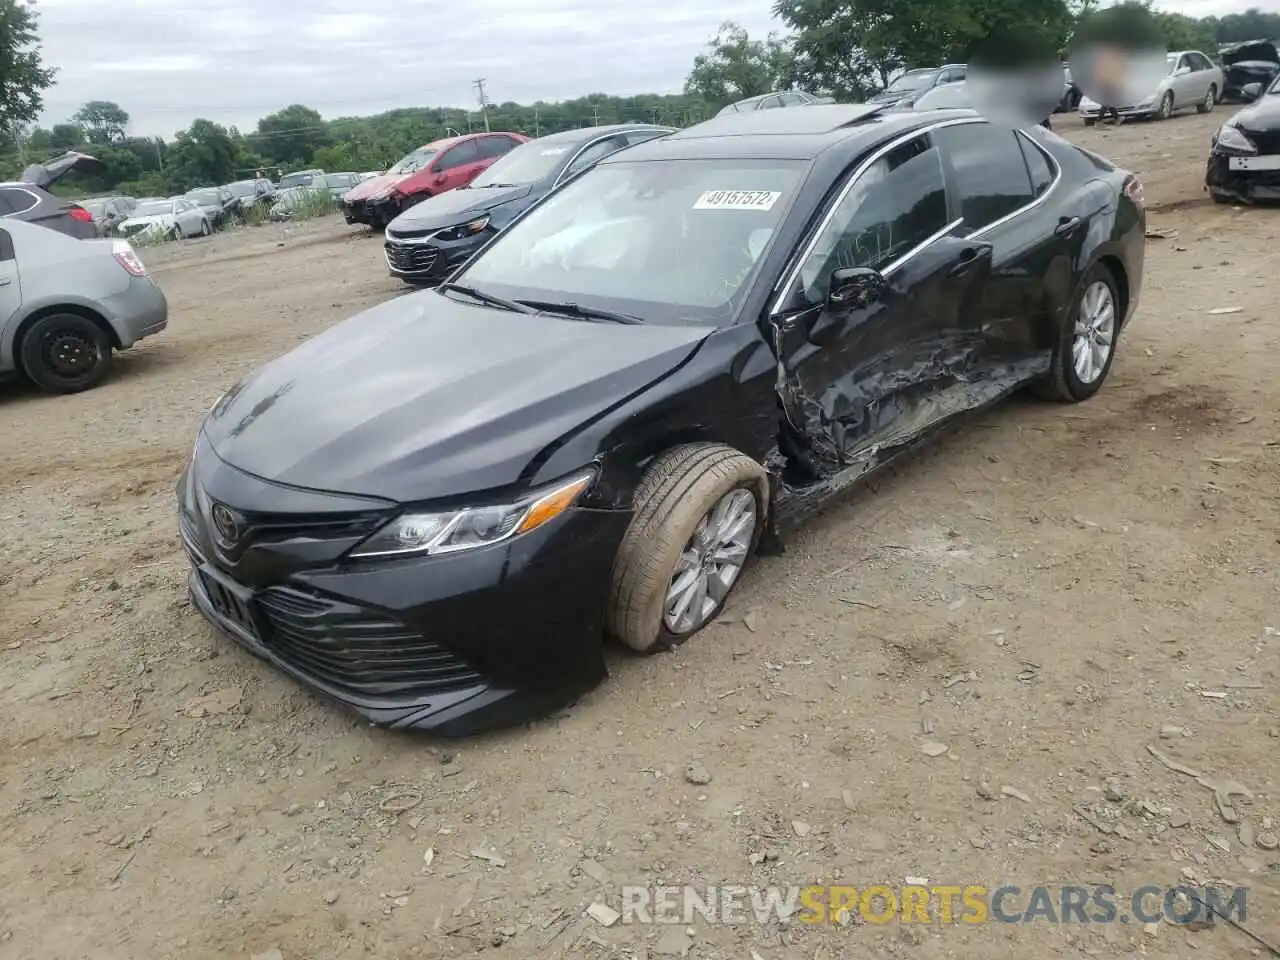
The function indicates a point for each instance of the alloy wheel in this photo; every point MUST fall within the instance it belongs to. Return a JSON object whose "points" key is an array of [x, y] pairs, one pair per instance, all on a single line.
{"points": [[1094, 332], [711, 561], [1209, 100]]}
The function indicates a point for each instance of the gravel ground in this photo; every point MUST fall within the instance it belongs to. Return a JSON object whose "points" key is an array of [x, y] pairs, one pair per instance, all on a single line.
{"points": [[1040, 594]]}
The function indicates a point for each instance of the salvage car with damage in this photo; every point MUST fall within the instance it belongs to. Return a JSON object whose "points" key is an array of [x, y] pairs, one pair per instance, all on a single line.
{"points": [[1244, 153], [1246, 63], [434, 512]]}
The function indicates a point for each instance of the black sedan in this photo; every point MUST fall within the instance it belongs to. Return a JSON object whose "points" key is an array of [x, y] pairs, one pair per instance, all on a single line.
{"points": [[1244, 156], [220, 205], [30, 199], [432, 238], [434, 512]]}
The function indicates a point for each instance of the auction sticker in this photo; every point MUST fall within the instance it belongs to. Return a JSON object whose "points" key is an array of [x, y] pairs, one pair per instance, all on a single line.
{"points": [[737, 200]]}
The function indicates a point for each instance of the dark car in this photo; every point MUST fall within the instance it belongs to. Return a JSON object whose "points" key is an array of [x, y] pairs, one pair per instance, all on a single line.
{"points": [[430, 239], [257, 194], [29, 199], [772, 101], [220, 205], [1244, 158], [108, 213], [434, 512], [1246, 63], [906, 89]]}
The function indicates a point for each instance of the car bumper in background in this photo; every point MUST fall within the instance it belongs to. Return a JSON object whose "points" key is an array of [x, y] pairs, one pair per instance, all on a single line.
{"points": [[138, 312], [452, 644], [1093, 111], [419, 262], [1235, 177]]}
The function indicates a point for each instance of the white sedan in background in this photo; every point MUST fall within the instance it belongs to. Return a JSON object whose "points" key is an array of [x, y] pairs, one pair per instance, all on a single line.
{"points": [[170, 219], [1191, 80]]}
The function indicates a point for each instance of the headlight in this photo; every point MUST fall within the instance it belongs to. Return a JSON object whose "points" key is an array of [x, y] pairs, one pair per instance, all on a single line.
{"points": [[466, 230], [1231, 138], [418, 534]]}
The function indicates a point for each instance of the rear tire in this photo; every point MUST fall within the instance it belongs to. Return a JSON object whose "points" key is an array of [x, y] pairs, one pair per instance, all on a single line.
{"points": [[1210, 99], [1064, 382], [65, 353], [691, 492]]}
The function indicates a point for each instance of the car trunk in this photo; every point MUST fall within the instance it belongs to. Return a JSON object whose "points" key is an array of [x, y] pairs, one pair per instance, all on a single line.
{"points": [[45, 175]]}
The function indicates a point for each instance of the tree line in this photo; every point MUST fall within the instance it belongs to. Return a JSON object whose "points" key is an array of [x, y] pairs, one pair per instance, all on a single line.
{"points": [[847, 48]]}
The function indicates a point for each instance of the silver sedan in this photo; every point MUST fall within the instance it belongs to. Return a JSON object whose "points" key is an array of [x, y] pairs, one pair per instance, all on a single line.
{"points": [[67, 304], [1191, 80]]}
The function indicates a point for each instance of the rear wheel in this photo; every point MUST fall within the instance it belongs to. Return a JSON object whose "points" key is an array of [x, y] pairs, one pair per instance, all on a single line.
{"points": [[1210, 99], [1083, 356], [66, 353], [700, 510]]}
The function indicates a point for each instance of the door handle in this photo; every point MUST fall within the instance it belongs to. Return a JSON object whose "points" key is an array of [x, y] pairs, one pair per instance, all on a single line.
{"points": [[5, 281], [1066, 226]]}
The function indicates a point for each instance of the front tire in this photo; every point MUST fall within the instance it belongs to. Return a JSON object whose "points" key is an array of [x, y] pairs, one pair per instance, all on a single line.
{"points": [[699, 512], [1166, 106], [204, 228], [1210, 99], [1082, 359], [66, 353]]}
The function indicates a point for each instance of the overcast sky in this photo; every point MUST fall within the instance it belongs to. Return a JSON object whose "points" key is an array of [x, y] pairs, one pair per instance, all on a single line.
{"points": [[233, 61]]}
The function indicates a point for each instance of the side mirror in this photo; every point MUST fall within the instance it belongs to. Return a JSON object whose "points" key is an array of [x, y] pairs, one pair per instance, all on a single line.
{"points": [[1182, 71], [854, 288], [1251, 91]]}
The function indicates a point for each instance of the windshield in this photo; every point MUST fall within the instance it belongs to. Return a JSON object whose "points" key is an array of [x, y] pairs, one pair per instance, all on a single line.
{"points": [[334, 180], [242, 188], [1171, 61], [206, 197], [526, 164], [97, 208], [414, 161], [671, 241], [911, 81], [1275, 85], [946, 97], [296, 180], [154, 208]]}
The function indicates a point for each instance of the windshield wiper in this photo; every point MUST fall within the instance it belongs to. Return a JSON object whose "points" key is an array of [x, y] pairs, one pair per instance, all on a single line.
{"points": [[486, 298], [490, 186], [578, 310]]}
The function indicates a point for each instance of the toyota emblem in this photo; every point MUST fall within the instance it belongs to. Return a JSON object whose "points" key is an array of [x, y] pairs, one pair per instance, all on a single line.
{"points": [[225, 524]]}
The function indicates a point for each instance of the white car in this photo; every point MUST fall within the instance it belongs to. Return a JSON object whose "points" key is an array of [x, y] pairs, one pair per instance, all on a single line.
{"points": [[1191, 80], [170, 219]]}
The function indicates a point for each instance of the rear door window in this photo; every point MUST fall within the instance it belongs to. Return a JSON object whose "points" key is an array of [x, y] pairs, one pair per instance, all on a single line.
{"points": [[458, 156], [1038, 166], [16, 201], [986, 172]]}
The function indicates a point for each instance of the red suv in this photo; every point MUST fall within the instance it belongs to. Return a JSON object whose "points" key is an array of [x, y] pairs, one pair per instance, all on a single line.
{"points": [[430, 170]]}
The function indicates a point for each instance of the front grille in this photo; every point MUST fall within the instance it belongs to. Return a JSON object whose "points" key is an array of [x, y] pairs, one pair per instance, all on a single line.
{"points": [[411, 257], [356, 650], [1267, 141]]}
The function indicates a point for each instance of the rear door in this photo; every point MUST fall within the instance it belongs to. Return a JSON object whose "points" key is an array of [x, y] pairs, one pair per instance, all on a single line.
{"points": [[456, 166], [10, 289]]}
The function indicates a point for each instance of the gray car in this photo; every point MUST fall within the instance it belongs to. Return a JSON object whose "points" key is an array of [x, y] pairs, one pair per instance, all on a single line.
{"points": [[66, 304]]}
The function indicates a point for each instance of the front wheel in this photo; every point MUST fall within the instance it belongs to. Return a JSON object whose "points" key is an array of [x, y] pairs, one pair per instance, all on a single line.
{"points": [[1210, 98], [66, 353], [1082, 358], [1166, 106], [204, 228], [699, 512]]}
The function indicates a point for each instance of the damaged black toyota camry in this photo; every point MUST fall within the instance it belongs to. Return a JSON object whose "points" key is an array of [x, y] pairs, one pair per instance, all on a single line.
{"points": [[1244, 154], [435, 512]]}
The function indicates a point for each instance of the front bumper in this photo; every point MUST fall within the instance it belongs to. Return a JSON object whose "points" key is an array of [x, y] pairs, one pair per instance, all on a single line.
{"points": [[1246, 185], [419, 260], [375, 213], [1093, 111], [138, 312], [452, 645]]}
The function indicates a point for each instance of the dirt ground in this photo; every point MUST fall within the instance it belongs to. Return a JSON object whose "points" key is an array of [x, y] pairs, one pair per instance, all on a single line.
{"points": [[1040, 594]]}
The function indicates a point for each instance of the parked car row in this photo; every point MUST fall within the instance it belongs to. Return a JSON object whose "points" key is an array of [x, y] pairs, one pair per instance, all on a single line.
{"points": [[434, 512], [322, 190]]}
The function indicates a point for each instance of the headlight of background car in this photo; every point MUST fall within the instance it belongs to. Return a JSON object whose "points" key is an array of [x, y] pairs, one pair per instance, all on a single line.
{"points": [[466, 230], [419, 534], [1232, 139]]}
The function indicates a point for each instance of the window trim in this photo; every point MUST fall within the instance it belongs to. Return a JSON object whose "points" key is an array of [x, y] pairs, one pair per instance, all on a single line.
{"points": [[1036, 201], [7, 253], [564, 173], [35, 198]]}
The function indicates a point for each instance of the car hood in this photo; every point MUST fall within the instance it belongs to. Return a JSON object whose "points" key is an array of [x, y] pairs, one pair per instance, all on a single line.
{"points": [[1263, 114], [453, 207], [1252, 50], [424, 397], [154, 220], [376, 187], [897, 96], [47, 174]]}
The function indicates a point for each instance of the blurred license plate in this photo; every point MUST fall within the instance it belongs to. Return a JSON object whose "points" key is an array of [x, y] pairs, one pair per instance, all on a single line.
{"points": [[1254, 163]]}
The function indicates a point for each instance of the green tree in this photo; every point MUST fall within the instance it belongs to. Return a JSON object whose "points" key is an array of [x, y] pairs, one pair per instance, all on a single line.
{"points": [[23, 77], [102, 121], [735, 67], [292, 135], [202, 154]]}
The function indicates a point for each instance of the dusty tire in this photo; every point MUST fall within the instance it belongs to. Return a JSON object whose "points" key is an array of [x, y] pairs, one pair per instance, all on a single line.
{"points": [[679, 489], [65, 353], [1210, 99], [205, 229], [1063, 383], [1166, 106]]}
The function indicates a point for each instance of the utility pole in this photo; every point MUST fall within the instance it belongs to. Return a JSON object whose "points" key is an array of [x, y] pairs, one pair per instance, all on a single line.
{"points": [[484, 101], [537, 124], [595, 116]]}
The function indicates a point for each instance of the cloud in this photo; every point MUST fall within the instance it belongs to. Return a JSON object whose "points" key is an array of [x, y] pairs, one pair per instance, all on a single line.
{"points": [[233, 61]]}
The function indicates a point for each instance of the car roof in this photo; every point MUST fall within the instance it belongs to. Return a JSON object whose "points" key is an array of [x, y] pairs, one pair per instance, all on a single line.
{"points": [[800, 134], [583, 134]]}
